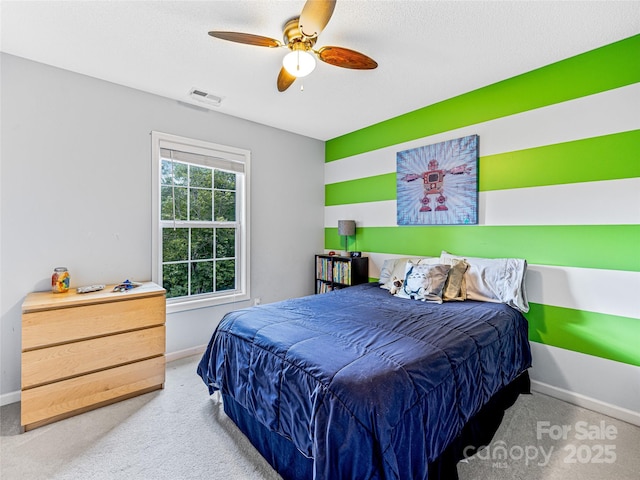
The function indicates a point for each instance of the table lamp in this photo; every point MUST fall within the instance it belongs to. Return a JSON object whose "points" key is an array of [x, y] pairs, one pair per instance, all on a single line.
{"points": [[346, 228]]}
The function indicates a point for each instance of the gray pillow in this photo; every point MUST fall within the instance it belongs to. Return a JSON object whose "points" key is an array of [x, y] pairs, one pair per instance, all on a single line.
{"points": [[456, 287]]}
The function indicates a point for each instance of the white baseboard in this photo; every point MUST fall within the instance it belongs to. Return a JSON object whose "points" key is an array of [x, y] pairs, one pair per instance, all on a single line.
{"points": [[187, 352], [12, 397], [583, 401]]}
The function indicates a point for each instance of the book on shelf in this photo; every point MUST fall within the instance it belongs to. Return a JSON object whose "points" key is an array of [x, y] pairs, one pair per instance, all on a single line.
{"points": [[342, 272], [324, 269], [323, 287]]}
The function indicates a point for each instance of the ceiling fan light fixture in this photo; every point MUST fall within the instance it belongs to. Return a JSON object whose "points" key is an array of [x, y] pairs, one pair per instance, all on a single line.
{"points": [[299, 35], [299, 63]]}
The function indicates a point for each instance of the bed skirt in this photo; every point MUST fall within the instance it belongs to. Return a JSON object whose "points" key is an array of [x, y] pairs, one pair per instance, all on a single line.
{"points": [[285, 458]]}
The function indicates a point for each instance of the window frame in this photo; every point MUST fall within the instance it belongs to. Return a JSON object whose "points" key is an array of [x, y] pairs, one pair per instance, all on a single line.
{"points": [[225, 153]]}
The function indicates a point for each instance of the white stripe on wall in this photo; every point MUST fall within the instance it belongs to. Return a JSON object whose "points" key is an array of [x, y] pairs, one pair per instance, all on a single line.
{"points": [[608, 202], [370, 214], [377, 259], [613, 111], [611, 292]]}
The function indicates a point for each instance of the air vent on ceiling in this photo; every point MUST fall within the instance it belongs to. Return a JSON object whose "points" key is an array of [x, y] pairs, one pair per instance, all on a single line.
{"points": [[205, 97]]}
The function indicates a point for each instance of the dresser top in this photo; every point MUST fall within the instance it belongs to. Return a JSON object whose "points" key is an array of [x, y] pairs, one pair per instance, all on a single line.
{"points": [[48, 300]]}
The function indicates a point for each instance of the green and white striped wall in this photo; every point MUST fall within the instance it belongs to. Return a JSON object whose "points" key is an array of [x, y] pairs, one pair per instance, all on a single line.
{"points": [[559, 181]]}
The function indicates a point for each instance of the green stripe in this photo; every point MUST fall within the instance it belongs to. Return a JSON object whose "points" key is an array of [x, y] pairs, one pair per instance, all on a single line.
{"points": [[607, 336], [368, 189], [611, 247], [599, 70], [608, 157]]}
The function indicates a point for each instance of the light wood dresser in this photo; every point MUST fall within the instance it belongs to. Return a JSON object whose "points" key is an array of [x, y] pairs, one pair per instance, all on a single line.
{"points": [[84, 351]]}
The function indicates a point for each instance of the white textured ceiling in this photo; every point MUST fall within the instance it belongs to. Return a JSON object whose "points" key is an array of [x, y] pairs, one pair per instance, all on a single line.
{"points": [[427, 51]]}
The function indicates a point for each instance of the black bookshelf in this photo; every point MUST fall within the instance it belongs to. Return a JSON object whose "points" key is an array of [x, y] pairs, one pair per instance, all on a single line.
{"points": [[334, 272]]}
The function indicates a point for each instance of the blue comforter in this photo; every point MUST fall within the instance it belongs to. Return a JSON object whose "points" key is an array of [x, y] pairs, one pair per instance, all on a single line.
{"points": [[366, 384]]}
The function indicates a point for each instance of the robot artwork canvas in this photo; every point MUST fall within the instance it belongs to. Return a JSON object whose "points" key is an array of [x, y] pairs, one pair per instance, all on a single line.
{"points": [[438, 184]]}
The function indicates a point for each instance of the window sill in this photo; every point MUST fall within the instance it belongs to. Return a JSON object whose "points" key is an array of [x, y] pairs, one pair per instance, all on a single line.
{"points": [[175, 306]]}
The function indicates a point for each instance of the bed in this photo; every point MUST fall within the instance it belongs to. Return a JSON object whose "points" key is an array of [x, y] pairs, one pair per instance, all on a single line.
{"points": [[361, 384]]}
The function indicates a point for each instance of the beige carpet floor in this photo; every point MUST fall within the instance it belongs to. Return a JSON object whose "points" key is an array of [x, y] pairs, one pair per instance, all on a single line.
{"points": [[182, 433]]}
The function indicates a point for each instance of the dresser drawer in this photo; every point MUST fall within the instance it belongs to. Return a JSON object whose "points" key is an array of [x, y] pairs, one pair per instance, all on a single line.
{"points": [[61, 325], [45, 365], [58, 400]]}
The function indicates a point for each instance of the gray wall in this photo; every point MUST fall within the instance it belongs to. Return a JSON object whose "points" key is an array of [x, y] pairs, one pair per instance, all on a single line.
{"points": [[75, 191]]}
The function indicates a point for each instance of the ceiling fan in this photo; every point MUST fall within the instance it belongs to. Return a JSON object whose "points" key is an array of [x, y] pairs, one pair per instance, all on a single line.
{"points": [[300, 35]]}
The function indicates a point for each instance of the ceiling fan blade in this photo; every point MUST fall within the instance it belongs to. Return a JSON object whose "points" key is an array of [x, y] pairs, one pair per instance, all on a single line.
{"points": [[285, 80], [345, 58], [247, 38], [315, 16]]}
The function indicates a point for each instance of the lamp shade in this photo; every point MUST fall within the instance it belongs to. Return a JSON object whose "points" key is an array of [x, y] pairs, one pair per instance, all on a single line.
{"points": [[299, 63], [346, 227]]}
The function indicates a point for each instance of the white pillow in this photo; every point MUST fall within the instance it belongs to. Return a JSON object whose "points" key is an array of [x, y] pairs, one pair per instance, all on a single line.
{"points": [[499, 280], [394, 269], [424, 282]]}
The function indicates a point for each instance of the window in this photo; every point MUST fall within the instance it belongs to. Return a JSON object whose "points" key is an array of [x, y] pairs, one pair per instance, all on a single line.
{"points": [[200, 221]]}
